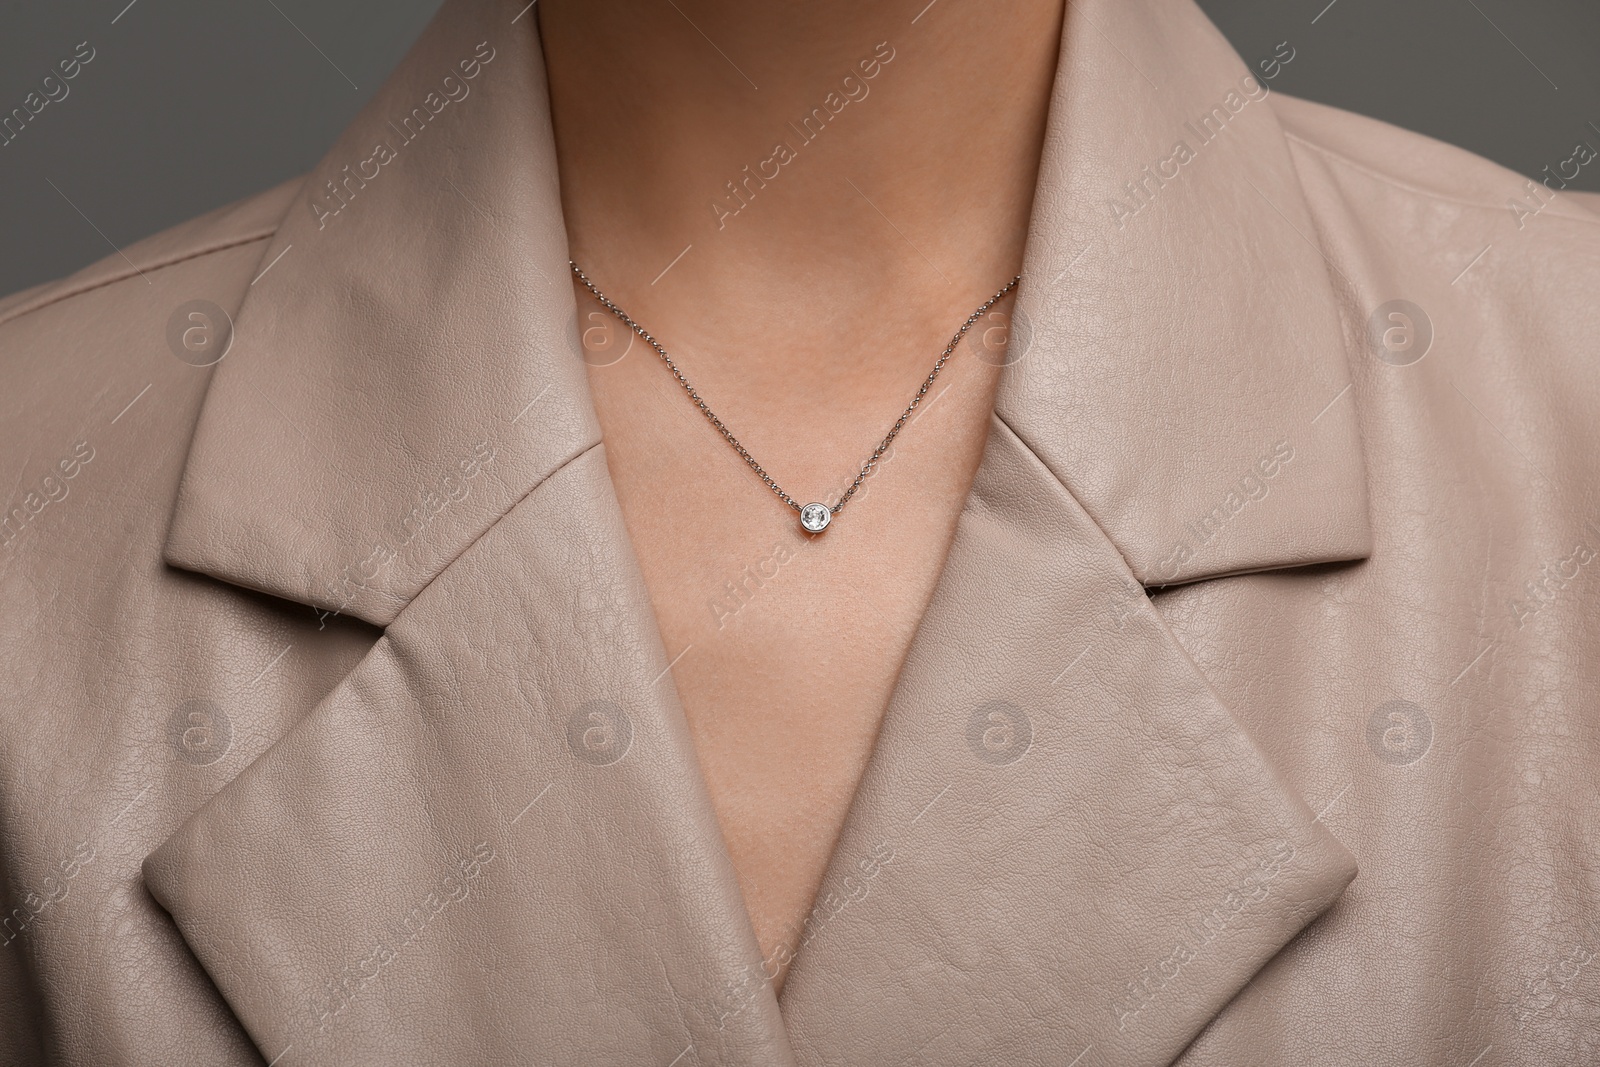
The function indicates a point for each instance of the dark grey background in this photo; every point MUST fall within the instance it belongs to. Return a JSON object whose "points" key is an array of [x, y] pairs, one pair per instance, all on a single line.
{"points": [[189, 105]]}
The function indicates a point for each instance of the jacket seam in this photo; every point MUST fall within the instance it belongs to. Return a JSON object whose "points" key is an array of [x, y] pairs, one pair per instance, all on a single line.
{"points": [[1023, 441], [1112, 541], [407, 601], [184, 257], [1432, 194]]}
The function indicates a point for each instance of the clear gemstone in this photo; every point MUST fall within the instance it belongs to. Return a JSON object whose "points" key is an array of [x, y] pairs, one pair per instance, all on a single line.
{"points": [[815, 517]]}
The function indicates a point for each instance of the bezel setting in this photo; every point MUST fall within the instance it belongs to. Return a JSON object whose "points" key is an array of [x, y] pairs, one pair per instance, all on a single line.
{"points": [[814, 518]]}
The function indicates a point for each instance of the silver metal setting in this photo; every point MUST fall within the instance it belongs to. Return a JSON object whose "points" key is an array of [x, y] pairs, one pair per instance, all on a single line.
{"points": [[814, 518], [766, 479]]}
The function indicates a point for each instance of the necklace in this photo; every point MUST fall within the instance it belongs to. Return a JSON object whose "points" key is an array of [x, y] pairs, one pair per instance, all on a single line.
{"points": [[814, 517]]}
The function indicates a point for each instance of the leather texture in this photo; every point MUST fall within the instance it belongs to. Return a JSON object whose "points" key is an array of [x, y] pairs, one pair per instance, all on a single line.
{"points": [[338, 729]]}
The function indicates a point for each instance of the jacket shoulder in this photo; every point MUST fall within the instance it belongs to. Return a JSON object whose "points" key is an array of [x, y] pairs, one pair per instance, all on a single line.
{"points": [[253, 218], [1489, 269], [89, 361], [1414, 162]]}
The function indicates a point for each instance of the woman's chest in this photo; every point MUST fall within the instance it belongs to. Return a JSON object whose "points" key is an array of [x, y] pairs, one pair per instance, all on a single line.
{"points": [[786, 646]]}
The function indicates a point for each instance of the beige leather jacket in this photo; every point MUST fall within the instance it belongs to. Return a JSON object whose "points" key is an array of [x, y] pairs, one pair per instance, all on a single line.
{"points": [[337, 728]]}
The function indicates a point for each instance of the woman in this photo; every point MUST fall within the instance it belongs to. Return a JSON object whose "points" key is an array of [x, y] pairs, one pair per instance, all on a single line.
{"points": [[389, 684]]}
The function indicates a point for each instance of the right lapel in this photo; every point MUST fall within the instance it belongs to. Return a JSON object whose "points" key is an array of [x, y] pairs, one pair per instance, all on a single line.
{"points": [[1065, 850]]}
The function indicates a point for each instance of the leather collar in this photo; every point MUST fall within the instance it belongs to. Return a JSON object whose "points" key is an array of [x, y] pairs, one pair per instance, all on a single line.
{"points": [[1179, 363]]}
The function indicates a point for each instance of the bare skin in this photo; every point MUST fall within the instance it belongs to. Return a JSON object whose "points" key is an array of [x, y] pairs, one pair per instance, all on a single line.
{"points": [[807, 319]]}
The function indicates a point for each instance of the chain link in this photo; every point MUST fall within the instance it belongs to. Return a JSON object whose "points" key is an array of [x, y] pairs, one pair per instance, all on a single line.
{"points": [[744, 454]]}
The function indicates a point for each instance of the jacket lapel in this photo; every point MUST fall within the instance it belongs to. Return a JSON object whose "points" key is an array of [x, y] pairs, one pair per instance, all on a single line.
{"points": [[1065, 841], [1184, 370], [1066, 849], [491, 841], [492, 837], [405, 367]]}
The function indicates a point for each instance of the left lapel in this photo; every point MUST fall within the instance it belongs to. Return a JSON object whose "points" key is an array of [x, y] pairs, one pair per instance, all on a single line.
{"points": [[406, 366], [1066, 850], [491, 841], [489, 844]]}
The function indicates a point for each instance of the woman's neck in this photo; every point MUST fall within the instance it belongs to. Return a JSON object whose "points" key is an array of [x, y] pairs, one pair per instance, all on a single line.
{"points": [[882, 173], [789, 168]]}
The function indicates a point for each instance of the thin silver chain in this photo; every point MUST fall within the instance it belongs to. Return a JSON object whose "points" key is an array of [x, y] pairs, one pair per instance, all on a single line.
{"points": [[744, 454]]}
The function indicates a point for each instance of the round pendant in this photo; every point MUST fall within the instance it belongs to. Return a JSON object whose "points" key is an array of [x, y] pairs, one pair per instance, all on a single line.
{"points": [[815, 517]]}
